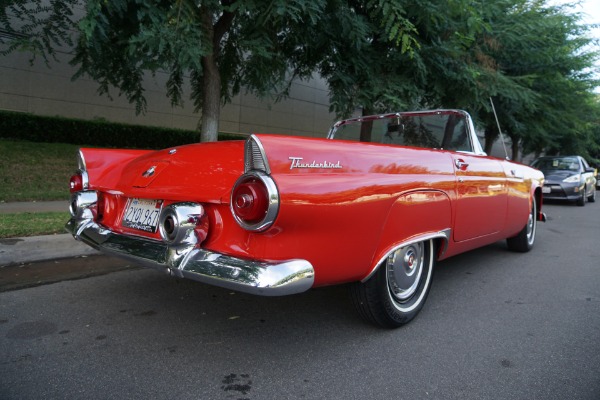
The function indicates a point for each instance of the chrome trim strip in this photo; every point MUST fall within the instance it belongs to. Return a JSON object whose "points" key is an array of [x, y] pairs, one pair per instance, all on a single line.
{"points": [[443, 234], [81, 161], [82, 170], [475, 143], [85, 179], [188, 261]]}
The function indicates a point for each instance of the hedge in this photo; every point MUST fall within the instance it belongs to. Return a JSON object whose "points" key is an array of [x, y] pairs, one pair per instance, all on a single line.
{"points": [[35, 128]]}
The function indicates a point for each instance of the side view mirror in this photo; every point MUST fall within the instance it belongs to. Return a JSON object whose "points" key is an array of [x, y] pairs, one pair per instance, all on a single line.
{"points": [[592, 170]]}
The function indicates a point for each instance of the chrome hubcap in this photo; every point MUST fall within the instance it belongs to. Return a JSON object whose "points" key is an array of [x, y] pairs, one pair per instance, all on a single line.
{"points": [[404, 269]]}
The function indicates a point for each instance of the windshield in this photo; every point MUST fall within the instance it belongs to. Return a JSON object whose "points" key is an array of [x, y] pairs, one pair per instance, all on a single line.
{"points": [[557, 163], [440, 130]]}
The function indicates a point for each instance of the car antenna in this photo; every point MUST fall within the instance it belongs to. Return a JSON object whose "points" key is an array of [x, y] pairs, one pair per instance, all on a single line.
{"points": [[499, 130]]}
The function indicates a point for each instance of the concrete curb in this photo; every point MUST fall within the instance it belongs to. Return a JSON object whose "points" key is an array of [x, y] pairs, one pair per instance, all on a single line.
{"points": [[15, 251]]}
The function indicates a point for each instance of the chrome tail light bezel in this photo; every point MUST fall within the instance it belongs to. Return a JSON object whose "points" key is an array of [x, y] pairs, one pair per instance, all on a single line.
{"points": [[85, 181], [257, 169], [84, 202], [272, 201], [81, 174]]}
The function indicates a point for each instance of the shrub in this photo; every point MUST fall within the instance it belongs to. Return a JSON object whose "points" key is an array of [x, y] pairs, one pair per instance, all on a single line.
{"points": [[35, 128]]}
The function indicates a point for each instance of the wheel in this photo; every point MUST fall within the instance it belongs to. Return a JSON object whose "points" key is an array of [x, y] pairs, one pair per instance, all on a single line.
{"points": [[581, 200], [524, 240], [592, 197], [395, 294]]}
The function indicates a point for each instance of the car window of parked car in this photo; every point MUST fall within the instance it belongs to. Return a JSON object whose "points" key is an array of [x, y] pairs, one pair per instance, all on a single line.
{"points": [[585, 164], [436, 131], [557, 163]]}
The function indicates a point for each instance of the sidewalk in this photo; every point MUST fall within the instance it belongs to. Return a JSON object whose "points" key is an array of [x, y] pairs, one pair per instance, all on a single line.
{"points": [[15, 251], [34, 206]]}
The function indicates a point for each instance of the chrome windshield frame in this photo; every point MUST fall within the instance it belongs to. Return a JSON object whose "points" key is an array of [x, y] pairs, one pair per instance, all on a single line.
{"points": [[474, 141]]}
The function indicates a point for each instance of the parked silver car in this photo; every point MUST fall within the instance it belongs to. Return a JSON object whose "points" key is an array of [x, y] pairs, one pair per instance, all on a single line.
{"points": [[567, 178]]}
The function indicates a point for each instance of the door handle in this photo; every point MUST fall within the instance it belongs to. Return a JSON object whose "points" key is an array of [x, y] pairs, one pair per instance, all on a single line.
{"points": [[516, 175], [461, 164]]}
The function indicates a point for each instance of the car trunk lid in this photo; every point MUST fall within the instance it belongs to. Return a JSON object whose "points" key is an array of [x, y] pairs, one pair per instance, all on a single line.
{"points": [[203, 172]]}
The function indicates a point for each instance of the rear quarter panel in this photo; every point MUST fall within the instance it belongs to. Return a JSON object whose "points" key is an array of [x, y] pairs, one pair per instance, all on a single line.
{"points": [[343, 219]]}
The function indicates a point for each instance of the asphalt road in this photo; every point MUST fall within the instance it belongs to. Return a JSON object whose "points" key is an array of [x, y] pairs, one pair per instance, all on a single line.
{"points": [[497, 325]]}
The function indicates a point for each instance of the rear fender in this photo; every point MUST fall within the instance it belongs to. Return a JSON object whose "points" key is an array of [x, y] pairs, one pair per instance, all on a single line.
{"points": [[104, 166], [414, 217]]}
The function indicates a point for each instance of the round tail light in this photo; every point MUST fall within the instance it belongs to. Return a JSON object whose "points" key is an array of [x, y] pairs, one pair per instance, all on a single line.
{"points": [[255, 201], [251, 201], [76, 183], [79, 181]]}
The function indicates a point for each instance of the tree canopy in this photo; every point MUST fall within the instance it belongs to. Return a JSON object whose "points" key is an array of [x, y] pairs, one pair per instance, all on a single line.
{"points": [[546, 51], [533, 59]]}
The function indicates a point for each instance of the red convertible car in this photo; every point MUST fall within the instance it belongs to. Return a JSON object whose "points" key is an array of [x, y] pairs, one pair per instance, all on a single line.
{"points": [[376, 203]]}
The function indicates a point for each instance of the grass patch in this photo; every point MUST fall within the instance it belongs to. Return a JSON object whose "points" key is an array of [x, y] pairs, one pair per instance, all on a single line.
{"points": [[35, 171], [32, 224]]}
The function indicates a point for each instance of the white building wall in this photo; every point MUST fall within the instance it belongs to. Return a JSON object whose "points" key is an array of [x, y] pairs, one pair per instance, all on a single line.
{"points": [[49, 91]]}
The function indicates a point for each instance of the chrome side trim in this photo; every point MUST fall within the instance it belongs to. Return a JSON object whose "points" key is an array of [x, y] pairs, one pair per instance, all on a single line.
{"points": [[188, 261], [443, 234]]}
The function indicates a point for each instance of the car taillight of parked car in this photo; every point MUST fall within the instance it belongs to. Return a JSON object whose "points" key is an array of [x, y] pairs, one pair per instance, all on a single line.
{"points": [[76, 183], [250, 200], [255, 201]]}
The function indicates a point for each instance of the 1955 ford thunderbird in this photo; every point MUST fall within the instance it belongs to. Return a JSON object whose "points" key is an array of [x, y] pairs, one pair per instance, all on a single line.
{"points": [[376, 203]]}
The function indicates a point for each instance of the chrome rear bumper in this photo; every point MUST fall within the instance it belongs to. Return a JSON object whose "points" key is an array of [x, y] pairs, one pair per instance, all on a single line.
{"points": [[188, 261]]}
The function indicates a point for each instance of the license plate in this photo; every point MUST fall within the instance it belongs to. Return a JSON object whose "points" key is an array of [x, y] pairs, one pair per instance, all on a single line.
{"points": [[546, 189], [142, 214]]}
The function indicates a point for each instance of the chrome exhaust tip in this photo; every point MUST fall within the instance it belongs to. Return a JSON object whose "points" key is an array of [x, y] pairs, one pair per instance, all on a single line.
{"points": [[177, 222], [81, 204]]}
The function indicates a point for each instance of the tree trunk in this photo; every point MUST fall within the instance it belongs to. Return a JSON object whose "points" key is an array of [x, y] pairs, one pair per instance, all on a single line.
{"points": [[515, 148], [490, 138], [449, 131], [211, 76], [211, 100], [366, 127]]}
